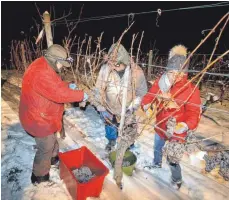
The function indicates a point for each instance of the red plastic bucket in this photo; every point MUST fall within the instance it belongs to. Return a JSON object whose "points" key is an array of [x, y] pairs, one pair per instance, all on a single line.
{"points": [[75, 159]]}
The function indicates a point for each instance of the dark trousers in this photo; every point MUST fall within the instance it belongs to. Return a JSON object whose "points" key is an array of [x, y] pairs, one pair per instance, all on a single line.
{"points": [[47, 147]]}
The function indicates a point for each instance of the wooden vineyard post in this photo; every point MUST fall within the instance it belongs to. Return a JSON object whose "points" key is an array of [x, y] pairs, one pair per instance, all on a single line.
{"points": [[49, 39], [23, 56], [48, 30], [150, 65]]}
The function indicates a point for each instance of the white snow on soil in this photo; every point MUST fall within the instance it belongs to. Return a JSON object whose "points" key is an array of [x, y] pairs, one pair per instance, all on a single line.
{"points": [[18, 150], [17, 153]]}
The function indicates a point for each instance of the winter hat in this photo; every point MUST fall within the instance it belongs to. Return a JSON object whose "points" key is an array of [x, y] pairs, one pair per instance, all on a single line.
{"points": [[58, 53], [177, 57], [122, 55]]}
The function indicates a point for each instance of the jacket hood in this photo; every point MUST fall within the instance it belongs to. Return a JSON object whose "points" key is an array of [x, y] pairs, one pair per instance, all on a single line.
{"points": [[122, 56], [52, 63]]}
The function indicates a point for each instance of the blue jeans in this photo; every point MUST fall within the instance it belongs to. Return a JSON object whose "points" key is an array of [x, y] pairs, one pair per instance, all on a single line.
{"points": [[158, 145], [174, 168]]}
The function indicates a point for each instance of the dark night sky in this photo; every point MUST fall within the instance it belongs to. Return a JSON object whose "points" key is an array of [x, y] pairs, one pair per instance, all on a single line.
{"points": [[174, 27]]}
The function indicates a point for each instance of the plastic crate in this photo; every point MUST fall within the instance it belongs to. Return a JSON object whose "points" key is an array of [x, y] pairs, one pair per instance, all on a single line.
{"points": [[75, 159]]}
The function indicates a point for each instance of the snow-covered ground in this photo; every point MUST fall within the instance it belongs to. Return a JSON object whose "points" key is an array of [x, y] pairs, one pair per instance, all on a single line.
{"points": [[17, 153], [86, 128]]}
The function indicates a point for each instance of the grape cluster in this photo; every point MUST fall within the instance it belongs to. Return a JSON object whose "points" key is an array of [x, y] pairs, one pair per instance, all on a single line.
{"points": [[83, 174], [175, 150], [220, 159]]}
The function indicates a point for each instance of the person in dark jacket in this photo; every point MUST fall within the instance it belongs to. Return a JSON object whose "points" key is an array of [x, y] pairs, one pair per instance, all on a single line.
{"points": [[41, 106]]}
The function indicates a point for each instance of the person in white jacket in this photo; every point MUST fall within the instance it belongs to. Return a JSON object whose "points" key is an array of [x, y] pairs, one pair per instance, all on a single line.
{"points": [[109, 90]]}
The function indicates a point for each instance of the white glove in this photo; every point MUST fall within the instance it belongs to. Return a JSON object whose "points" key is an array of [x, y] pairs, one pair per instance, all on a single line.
{"points": [[85, 97], [181, 127], [146, 107], [134, 104], [100, 108]]}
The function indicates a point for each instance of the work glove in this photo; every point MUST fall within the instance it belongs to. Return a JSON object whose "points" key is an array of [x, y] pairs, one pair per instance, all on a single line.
{"points": [[134, 105], [147, 109], [73, 86], [180, 132], [181, 127], [85, 97], [100, 108]]}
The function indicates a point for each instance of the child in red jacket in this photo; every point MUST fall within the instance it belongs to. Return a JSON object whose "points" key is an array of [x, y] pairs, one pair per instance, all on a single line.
{"points": [[175, 99]]}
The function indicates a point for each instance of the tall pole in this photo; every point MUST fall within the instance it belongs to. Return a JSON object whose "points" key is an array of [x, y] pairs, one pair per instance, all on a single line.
{"points": [[23, 56], [49, 39], [150, 61], [48, 30]]}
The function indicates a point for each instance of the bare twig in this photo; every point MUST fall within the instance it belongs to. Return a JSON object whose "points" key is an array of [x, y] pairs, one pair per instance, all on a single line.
{"points": [[38, 11], [139, 47], [74, 27], [99, 47], [197, 74], [204, 70], [114, 54], [63, 17]]}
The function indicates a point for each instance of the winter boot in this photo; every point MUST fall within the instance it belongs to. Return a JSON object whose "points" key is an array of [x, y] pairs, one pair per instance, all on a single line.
{"points": [[39, 179], [111, 144], [131, 147], [176, 184], [155, 166], [54, 160]]}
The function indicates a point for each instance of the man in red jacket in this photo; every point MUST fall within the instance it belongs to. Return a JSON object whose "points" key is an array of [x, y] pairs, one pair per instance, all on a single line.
{"points": [[41, 107], [169, 93]]}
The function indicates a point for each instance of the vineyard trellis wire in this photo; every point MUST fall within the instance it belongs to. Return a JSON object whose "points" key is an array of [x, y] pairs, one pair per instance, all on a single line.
{"points": [[148, 12]]}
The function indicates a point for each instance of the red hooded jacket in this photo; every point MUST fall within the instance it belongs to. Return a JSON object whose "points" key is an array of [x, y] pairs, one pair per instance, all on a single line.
{"points": [[188, 113], [42, 99]]}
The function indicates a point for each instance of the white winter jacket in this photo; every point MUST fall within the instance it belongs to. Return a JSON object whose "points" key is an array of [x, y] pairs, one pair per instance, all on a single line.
{"points": [[110, 87]]}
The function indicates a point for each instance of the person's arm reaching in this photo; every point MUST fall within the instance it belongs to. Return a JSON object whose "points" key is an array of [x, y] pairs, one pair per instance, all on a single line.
{"points": [[56, 91]]}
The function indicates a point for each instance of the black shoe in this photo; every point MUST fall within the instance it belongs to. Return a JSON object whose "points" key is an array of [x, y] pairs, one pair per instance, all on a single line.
{"points": [[39, 179], [54, 160]]}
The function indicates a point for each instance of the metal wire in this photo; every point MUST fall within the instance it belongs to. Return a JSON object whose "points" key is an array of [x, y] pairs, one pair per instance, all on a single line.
{"points": [[162, 67], [179, 100], [140, 13]]}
